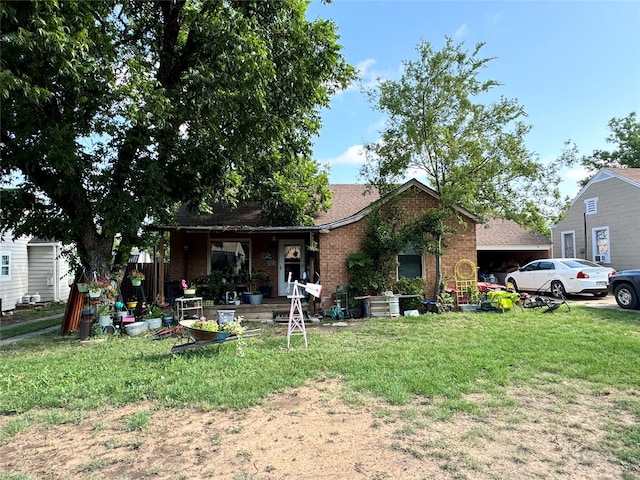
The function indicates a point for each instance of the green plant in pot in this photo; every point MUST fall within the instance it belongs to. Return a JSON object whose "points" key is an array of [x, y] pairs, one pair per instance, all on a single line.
{"points": [[473, 295], [154, 311], [103, 311]]}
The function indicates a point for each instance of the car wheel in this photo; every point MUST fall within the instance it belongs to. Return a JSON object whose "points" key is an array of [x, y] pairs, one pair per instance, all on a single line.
{"points": [[557, 289], [600, 294], [512, 282], [625, 296]]}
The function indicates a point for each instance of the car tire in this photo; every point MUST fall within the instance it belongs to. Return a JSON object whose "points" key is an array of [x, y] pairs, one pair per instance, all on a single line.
{"points": [[512, 282], [626, 296], [557, 289]]}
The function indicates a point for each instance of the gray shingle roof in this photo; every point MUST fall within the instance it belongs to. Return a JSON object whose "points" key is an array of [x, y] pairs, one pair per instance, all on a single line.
{"points": [[499, 232]]}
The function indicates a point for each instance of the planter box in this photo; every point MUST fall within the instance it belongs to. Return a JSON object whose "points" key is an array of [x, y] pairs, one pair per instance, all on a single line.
{"points": [[468, 307]]}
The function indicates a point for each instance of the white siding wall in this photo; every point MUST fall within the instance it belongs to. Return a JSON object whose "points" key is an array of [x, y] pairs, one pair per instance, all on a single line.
{"points": [[13, 288], [48, 272]]}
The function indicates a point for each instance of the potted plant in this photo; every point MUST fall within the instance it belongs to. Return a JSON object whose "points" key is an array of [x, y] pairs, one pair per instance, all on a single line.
{"points": [[95, 288], [132, 302], [255, 297], [312, 249], [104, 314], [136, 277], [153, 316], [470, 300], [265, 289], [189, 289]]}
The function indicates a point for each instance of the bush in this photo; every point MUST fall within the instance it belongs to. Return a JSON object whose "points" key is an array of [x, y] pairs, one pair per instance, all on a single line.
{"points": [[410, 286]]}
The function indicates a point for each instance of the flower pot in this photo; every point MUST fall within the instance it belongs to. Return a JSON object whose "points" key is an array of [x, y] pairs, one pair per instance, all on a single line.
{"points": [[266, 290], [255, 299], [83, 287], [190, 292], [132, 304], [245, 297], [94, 293], [136, 282]]}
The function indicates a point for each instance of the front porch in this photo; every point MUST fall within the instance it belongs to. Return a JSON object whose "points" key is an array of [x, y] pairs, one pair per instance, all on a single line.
{"points": [[274, 309]]}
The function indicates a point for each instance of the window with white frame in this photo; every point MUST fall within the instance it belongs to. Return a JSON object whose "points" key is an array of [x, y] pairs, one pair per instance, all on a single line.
{"points": [[591, 206], [409, 264], [569, 244], [601, 245], [5, 266]]}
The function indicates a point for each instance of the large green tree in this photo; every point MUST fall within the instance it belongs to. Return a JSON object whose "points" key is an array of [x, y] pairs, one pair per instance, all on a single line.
{"points": [[442, 121], [113, 112], [625, 136]]}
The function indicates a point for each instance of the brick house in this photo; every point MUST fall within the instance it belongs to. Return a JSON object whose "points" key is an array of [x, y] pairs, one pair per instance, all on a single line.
{"points": [[238, 242]]}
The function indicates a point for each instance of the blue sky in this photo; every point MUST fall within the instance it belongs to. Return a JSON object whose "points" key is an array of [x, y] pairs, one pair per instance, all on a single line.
{"points": [[573, 65]]}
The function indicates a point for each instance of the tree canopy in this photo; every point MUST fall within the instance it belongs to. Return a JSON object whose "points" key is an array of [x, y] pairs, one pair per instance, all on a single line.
{"points": [[114, 112], [441, 123], [625, 135]]}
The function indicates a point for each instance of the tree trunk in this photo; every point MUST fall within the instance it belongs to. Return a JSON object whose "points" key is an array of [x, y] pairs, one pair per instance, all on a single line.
{"points": [[96, 254], [437, 286]]}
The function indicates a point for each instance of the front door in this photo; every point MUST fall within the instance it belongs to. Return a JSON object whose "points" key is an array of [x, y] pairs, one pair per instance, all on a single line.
{"points": [[290, 259]]}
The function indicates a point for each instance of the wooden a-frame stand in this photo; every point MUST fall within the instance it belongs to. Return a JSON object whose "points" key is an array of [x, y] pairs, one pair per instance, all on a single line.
{"points": [[296, 315]]}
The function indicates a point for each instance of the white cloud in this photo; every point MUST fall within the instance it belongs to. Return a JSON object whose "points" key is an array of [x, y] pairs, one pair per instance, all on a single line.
{"points": [[354, 155], [576, 174], [461, 31], [494, 17]]}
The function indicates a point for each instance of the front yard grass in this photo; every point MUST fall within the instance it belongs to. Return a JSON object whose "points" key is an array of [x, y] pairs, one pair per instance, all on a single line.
{"points": [[456, 358]]}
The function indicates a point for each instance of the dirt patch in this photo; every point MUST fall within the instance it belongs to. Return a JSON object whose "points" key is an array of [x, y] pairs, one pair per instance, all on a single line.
{"points": [[320, 431]]}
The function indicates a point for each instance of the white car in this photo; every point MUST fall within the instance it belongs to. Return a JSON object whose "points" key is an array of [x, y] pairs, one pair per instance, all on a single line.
{"points": [[562, 276]]}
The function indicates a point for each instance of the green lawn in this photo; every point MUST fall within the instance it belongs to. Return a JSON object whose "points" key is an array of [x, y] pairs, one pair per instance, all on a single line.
{"points": [[398, 360]]}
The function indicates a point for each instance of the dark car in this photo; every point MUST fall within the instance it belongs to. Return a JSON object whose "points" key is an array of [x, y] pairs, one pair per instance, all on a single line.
{"points": [[625, 286]]}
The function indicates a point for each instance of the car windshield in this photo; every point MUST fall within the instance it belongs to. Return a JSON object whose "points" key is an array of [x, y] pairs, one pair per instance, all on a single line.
{"points": [[580, 264]]}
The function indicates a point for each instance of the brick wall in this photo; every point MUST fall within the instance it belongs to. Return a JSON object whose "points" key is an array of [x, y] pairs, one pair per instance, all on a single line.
{"points": [[338, 243]]}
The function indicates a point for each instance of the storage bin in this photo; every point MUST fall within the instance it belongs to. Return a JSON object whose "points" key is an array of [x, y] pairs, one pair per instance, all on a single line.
{"points": [[154, 322], [136, 328]]}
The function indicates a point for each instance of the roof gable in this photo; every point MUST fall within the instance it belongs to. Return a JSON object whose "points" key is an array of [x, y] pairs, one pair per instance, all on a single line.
{"points": [[627, 175]]}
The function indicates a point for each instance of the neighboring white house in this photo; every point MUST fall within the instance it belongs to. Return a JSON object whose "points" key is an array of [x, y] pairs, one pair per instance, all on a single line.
{"points": [[603, 222], [30, 267], [14, 271]]}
